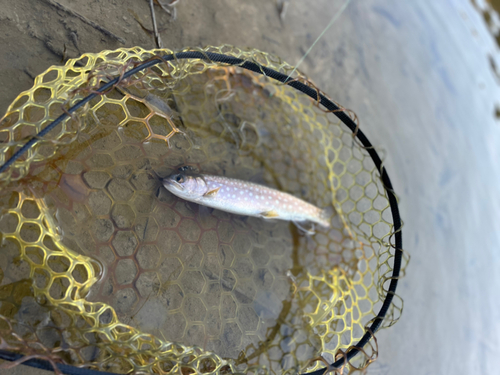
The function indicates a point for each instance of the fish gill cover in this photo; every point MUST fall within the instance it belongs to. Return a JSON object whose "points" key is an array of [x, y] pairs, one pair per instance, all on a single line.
{"points": [[103, 268]]}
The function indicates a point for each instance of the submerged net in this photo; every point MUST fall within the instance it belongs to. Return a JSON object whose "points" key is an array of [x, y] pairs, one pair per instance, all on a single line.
{"points": [[102, 268]]}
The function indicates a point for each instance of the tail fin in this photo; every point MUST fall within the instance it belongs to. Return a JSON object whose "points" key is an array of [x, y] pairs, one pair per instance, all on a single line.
{"points": [[325, 218]]}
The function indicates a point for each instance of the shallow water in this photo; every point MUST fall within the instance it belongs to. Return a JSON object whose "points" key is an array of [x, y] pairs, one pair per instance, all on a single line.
{"points": [[180, 271], [420, 77]]}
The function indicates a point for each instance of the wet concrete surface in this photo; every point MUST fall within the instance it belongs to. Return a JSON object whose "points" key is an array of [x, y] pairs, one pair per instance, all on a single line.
{"points": [[419, 76]]}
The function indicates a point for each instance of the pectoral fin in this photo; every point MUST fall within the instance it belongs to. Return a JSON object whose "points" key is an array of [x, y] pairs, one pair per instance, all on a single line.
{"points": [[269, 214], [212, 193]]}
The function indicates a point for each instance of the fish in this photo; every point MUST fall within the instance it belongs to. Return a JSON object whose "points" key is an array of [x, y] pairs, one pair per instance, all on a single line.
{"points": [[242, 198]]}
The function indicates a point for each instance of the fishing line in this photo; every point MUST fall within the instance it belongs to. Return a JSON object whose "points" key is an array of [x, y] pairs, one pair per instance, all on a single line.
{"points": [[335, 17], [110, 84]]}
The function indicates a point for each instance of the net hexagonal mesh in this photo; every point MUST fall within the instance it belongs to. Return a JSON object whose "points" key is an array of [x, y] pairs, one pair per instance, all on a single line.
{"points": [[101, 267]]}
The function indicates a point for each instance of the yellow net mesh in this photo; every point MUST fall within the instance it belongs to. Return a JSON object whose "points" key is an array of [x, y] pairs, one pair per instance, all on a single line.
{"points": [[100, 267]]}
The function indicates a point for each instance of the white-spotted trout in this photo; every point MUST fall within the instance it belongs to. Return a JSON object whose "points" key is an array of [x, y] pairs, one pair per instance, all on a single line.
{"points": [[242, 198]]}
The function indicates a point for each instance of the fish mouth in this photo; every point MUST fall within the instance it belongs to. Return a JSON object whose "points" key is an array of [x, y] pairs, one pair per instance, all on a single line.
{"points": [[169, 183]]}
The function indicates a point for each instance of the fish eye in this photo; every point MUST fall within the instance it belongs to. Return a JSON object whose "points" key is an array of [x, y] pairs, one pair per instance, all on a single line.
{"points": [[179, 178]]}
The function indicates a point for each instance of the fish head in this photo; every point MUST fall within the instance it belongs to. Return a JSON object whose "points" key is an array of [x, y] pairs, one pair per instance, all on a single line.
{"points": [[185, 185]]}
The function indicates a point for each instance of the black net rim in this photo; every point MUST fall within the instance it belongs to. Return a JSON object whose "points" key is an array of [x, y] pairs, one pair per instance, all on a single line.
{"points": [[309, 91]]}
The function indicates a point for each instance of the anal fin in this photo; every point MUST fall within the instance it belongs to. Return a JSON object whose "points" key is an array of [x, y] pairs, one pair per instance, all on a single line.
{"points": [[269, 214]]}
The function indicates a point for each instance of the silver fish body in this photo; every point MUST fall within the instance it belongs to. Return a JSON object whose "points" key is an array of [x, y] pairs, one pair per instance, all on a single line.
{"points": [[242, 198]]}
